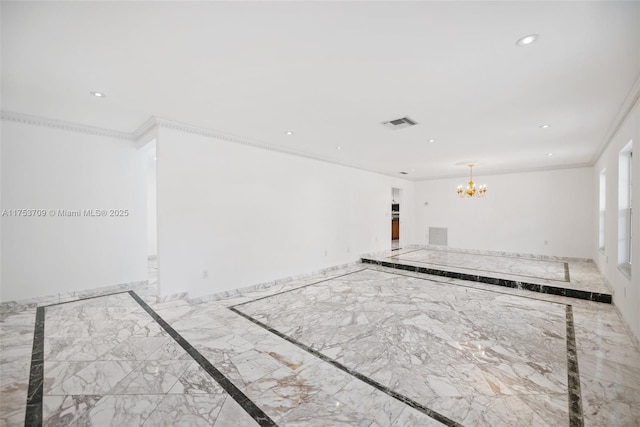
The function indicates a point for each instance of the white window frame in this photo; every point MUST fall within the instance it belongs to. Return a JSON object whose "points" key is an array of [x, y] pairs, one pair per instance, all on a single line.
{"points": [[625, 209]]}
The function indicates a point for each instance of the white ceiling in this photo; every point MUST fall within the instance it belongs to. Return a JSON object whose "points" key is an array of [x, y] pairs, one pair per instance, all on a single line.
{"points": [[333, 71]]}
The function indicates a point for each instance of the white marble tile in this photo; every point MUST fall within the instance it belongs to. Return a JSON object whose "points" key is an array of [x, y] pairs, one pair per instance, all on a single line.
{"points": [[91, 410], [191, 410], [606, 403], [79, 378], [169, 350], [78, 349], [195, 380], [232, 415], [136, 348], [13, 395], [476, 354], [323, 410], [152, 376]]}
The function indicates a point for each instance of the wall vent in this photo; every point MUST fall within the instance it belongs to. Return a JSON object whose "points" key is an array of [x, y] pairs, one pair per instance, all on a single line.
{"points": [[403, 122], [438, 236]]}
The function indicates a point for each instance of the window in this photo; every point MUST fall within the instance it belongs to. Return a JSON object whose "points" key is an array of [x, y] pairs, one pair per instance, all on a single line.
{"points": [[602, 208], [625, 211]]}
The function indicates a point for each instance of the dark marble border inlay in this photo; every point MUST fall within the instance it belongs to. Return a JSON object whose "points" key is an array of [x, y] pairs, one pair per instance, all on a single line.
{"points": [[402, 398], [573, 374], [33, 415], [251, 408], [575, 396], [565, 265], [110, 294], [545, 289]]}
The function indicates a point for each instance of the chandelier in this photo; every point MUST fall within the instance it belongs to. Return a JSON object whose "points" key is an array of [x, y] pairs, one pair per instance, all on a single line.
{"points": [[472, 190]]}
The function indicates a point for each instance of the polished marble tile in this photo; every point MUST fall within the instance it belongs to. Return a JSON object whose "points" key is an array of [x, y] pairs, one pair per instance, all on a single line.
{"points": [[363, 345], [195, 380], [469, 345], [79, 378], [530, 268], [137, 348], [153, 376], [572, 277], [233, 415], [95, 410], [191, 410]]}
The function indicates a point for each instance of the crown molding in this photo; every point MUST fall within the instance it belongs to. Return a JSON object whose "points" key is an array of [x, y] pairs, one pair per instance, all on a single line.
{"points": [[510, 171], [625, 109], [11, 116], [146, 132], [142, 133]]}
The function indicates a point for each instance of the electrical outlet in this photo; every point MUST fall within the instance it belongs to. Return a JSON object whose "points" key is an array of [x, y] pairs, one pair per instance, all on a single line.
{"points": [[205, 274], [546, 242]]}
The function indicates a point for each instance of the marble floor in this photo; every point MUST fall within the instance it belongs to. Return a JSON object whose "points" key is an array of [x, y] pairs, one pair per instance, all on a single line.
{"points": [[570, 277], [361, 346]]}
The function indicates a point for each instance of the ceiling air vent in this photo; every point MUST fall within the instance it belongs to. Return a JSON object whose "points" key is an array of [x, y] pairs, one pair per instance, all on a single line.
{"points": [[400, 123]]}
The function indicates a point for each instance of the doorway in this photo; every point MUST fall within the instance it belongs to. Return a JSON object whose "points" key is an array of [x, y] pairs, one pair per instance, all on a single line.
{"points": [[396, 199]]}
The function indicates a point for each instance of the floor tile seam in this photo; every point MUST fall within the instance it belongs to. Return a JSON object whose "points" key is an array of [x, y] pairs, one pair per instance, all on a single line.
{"points": [[152, 411], [512, 284], [300, 287], [227, 385], [565, 271], [398, 396], [440, 282]]}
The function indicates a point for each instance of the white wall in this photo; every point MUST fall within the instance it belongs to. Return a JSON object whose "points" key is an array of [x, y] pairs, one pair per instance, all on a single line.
{"points": [[249, 215], [626, 290], [45, 168], [518, 214]]}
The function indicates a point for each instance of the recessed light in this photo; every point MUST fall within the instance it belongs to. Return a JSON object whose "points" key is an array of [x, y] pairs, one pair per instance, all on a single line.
{"points": [[98, 94], [545, 126], [289, 132], [549, 154], [338, 148], [526, 40], [431, 140]]}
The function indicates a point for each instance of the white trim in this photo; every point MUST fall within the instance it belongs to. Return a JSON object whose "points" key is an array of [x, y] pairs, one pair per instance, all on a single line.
{"points": [[627, 106], [61, 125], [144, 133], [510, 171]]}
